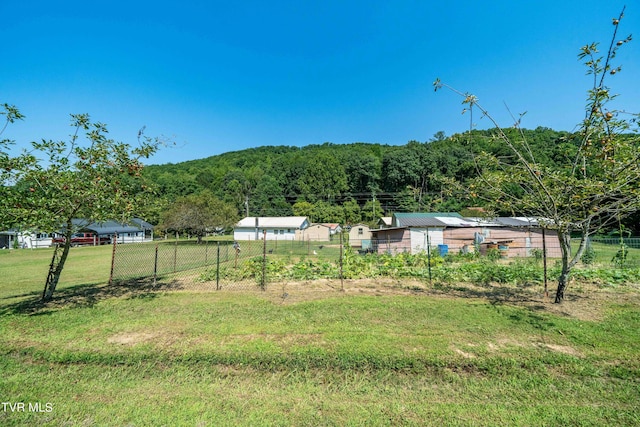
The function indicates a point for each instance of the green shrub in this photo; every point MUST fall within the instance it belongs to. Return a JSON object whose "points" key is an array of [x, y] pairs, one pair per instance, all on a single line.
{"points": [[589, 256]]}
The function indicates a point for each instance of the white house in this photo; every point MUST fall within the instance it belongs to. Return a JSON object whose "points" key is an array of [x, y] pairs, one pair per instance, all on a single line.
{"points": [[385, 222], [277, 228], [136, 232], [24, 239]]}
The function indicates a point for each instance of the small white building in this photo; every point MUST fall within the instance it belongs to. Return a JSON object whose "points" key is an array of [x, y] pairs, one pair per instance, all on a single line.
{"points": [[324, 232], [277, 228], [24, 239], [359, 235], [385, 222]]}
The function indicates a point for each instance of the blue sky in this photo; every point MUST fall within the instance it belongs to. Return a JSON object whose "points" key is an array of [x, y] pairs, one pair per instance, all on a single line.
{"points": [[218, 76]]}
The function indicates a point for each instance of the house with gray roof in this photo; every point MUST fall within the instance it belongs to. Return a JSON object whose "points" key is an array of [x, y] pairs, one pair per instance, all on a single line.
{"points": [[452, 233], [137, 230]]}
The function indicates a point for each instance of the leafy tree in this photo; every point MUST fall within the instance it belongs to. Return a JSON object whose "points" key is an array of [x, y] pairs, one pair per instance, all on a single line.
{"points": [[401, 168], [199, 214], [595, 188], [408, 200], [268, 198], [352, 212], [438, 136], [303, 208], [372, 211], [363, 171], [327, 212], [323, 177], [94, 178]]}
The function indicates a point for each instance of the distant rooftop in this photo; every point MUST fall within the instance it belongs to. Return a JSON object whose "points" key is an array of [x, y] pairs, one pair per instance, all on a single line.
{"points": [[273, 221]]}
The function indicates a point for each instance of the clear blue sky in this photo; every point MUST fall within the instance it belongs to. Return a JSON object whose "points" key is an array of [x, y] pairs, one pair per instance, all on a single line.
{"points": [[218, 76]]}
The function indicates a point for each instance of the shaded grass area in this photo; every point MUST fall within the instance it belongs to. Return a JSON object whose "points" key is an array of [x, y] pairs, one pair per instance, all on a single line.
{"points": [[146, 356], [23, 272]]}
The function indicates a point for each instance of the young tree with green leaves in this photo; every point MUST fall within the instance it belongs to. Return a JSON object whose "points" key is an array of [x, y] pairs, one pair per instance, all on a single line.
{"points": [[90, 177], [199, 214], [596, 188]]}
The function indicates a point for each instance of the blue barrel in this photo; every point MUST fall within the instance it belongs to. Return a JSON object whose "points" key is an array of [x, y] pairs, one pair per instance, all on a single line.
{"points": [[443, 249], [504, 249]]}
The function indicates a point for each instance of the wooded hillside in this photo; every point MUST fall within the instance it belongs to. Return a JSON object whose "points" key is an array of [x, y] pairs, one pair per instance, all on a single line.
{"points": [[349, 183]]}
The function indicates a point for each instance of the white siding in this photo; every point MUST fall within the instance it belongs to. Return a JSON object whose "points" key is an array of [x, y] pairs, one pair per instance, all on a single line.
{"points": [[250, 234], [419, 238]]}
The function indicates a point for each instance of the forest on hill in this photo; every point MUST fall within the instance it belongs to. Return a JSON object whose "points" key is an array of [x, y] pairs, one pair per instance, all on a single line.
{"points": [[350, 183]]}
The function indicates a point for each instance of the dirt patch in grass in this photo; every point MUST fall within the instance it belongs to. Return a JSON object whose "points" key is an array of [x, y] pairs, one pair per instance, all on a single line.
{"points": [[584, 301], [564, 349], [131, 338], [587, 302]]}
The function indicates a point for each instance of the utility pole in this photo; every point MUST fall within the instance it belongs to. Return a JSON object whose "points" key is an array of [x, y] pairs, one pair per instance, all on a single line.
{"points": [[373, 207]]}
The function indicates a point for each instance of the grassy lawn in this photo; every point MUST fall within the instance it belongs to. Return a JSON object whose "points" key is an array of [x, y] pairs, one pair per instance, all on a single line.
{"points": [[377, 354], [24, 271], [605, 251]]}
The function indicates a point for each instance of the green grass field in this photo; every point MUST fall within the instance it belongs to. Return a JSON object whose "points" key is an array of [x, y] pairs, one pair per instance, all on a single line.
{"points": [[24, 271], [372, 355]]}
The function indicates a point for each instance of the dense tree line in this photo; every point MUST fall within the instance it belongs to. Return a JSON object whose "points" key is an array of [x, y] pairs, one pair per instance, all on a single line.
{"points": [[351, 183]]}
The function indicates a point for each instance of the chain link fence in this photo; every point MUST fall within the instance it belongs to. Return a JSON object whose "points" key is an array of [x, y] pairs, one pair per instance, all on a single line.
{"points": [[618, 253], [216, 265], [260, 264]]}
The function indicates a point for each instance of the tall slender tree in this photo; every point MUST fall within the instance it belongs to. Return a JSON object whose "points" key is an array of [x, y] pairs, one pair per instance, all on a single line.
{"points": [[89, 176], [595, 188]]}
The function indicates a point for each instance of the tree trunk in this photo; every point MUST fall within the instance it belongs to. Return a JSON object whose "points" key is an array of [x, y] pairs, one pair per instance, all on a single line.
{"points": [[57, 264], [562, 285], [563, 280], [569, 261]]}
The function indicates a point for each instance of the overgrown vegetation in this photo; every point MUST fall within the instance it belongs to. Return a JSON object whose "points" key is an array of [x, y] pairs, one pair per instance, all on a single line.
{"points": [[458, 268]]}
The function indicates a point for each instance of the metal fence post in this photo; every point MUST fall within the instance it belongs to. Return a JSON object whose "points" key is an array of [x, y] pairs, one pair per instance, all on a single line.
{"points": [[544, 262], [218, 269], [341, 265], [429, 256], [113, 258], [264, 260], [155, 266], [175, 254]]}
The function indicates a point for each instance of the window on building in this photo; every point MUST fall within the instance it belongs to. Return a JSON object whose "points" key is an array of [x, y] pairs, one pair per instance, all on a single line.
{"points": [[360, 231]]}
